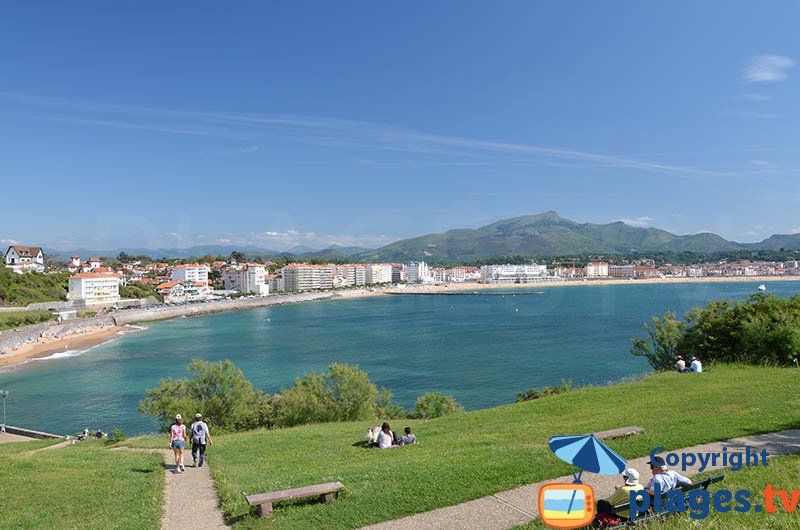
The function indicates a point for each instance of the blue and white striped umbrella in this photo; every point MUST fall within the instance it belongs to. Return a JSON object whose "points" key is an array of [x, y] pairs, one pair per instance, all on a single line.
{"points": [[588, 453]]}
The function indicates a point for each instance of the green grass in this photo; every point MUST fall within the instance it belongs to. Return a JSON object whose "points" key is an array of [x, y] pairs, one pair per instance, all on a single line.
{"points": [[23, 289], [474, 454], [15, 319], [80, 486]]}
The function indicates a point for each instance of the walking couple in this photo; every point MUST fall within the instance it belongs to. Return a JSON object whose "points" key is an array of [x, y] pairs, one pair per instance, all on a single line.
{"points": [[177, 440]]}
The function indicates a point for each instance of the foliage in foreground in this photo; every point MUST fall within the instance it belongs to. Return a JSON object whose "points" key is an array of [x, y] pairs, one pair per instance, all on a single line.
{"points": [[227, 399], [763, 329], [219, 391]]}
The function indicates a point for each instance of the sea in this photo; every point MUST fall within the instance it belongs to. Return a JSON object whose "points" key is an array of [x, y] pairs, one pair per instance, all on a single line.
{"points": [[482, 348]]}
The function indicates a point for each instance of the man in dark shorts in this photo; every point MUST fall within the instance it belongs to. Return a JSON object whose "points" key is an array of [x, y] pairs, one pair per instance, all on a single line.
{"points": [[200, 435]]}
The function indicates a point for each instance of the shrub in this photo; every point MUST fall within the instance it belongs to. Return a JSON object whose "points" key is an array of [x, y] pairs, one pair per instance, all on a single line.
{"points": [[344, 393], [116, 436], [435, 405], [219, 391], [531, 394]]}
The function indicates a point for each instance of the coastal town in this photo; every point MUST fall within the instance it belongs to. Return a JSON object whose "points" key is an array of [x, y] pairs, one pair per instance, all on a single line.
{"points": [[97, 281]]}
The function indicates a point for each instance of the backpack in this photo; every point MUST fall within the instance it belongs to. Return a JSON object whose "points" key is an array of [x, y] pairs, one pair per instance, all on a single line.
{"points": [[197, 432]]}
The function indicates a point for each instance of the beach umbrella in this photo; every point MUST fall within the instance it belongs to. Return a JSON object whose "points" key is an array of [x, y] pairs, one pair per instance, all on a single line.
{"points": [[587, 453]]}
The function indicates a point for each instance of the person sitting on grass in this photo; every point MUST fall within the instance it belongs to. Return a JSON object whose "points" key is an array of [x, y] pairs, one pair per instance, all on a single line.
{"points": [[386, 437], [664, 477], [408, 438], [696, 367], [680, 365]]}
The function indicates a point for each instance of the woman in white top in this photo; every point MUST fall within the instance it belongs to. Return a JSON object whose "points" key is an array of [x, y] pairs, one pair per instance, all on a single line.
{"points": [[385, 437]]}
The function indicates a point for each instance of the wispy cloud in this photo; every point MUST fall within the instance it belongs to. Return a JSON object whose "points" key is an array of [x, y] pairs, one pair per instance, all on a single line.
{"points": [[639, 221], [767, 68], [754, 97], [795, 230], [759, 163], [326, 132]]}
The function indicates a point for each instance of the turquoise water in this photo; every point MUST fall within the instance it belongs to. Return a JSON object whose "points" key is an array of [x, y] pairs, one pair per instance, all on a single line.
{"points": [[480, 349]]}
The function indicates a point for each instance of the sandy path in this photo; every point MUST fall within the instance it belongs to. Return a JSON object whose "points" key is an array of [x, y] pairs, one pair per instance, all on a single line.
{"points": [[33, 350]]}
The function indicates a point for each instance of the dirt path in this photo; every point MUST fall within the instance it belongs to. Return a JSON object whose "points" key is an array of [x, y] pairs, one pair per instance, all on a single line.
{"points": [[511, 508]]}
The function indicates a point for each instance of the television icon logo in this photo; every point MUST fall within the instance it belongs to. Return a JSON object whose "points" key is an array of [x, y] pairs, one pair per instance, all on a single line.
{"points": [[566, 505]]}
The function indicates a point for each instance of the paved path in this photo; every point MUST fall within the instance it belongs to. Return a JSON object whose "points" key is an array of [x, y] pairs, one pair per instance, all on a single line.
{"points": [[517, 506], [7, 437], [190, 498]]}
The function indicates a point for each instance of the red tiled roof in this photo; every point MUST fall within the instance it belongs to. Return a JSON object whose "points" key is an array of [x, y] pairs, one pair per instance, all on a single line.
{"points": [[27, 252], [94, 275]]}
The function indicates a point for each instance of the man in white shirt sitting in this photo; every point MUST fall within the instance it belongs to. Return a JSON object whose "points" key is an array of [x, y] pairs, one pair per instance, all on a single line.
{"points": [[696, 366], [664, 477]]}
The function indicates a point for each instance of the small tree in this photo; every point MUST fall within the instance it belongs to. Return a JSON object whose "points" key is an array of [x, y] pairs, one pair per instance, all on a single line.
{"points": [[219, 391], [661, 346], [435, 405]]}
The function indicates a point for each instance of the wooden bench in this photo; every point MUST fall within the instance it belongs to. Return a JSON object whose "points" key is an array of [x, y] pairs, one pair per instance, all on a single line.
{"points": [[618, 433], [650, 515], [326, 493]]}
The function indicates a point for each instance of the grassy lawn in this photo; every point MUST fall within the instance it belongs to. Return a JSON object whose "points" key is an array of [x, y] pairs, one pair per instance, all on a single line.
{"points": [[81, 486], [14, 319], [477, 453]]}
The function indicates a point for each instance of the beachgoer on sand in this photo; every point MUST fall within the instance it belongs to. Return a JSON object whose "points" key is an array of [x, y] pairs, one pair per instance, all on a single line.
{"points": [[177, 441]]}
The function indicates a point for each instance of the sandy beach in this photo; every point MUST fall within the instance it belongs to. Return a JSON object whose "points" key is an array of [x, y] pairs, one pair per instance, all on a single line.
{"points": [[44, 346]]}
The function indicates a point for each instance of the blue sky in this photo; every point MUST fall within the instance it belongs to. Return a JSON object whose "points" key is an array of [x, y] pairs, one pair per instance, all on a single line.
{"points": [[282, 123]]}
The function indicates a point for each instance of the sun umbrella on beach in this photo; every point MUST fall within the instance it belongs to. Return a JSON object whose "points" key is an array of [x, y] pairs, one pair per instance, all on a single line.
{"points": [[588, 453]]}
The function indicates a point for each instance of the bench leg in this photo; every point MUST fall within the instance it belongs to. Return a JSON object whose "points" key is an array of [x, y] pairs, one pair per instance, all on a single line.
{"points": [[265, 510], [327, 497]]}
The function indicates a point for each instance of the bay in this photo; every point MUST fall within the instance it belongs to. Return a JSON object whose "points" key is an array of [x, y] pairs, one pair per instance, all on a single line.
{"points": [[480, 348]]}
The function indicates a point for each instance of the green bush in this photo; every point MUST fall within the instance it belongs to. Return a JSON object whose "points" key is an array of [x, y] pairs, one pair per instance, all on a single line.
{"points": [[531, 394], [23, 289], [116, 436], [435, 405], [763, 329], [344, 393], [219, 391]]}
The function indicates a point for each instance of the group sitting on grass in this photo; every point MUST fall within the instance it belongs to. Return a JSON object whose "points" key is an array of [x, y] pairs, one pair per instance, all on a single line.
{"points": [[665, 478], [384, 437], [696, 366]]}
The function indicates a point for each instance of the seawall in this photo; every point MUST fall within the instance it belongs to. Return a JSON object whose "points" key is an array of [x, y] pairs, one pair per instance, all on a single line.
{"points": [[11, 337]]}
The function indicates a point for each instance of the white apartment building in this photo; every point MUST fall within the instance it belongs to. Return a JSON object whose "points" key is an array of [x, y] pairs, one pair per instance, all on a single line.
{"points": [[22, 259], [304, 277], [349, 274], [275, 283], [94, 287], [513, 273], [418, 272], [378, 273], [193, 273], [248, 278], [622, 271], [597, 269]]}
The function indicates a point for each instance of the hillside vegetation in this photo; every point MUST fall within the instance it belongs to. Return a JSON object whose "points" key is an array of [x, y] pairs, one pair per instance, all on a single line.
{"points": [[24, 289], [549, 234], [473, 454]]}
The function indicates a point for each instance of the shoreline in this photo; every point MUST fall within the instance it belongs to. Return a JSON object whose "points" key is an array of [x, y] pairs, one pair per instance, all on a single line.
{"points": [[90, 336], [44, 347]]}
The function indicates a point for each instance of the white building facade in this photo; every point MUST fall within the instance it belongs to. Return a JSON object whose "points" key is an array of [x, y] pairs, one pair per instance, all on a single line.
{"points": [[250, 279], [194, 273], [377, 273], [305, 277], [22, 259], [418, 272], [513, 273], [94, 288], [597, 269]]}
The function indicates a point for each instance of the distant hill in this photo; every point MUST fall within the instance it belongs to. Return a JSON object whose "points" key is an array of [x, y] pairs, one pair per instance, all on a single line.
{"points": [[777, 242], [543, 235]]}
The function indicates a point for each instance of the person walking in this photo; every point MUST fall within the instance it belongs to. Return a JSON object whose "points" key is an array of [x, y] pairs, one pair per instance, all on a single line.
{"points": [[177, 441], [200, 435]]}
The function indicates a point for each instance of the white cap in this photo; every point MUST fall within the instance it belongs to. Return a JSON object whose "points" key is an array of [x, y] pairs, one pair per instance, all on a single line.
{"points": [[631, 476], [178, 416]]}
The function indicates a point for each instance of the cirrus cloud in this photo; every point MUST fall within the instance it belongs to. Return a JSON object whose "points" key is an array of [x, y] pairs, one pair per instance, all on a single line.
{"points": [[768, 68]]}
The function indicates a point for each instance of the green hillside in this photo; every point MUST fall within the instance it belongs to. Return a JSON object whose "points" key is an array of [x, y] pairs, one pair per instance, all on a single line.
{"points": [[544, 234], [23, 289], [473, 454]]}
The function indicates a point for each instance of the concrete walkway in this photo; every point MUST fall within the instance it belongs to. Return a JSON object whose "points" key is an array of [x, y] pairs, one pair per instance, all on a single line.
{"points": [[517, 506], [190, 498]]}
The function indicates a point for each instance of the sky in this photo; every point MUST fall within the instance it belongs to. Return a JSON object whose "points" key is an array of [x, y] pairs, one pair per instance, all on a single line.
{"points": [[284, 123]]}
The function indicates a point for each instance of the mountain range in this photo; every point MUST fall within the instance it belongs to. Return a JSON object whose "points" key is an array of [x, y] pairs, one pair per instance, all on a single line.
{"points": [[549, 234], [545, 234]]}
